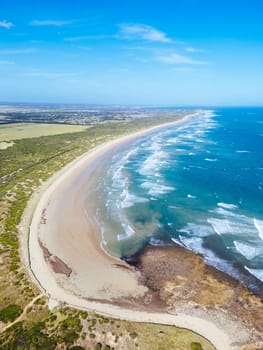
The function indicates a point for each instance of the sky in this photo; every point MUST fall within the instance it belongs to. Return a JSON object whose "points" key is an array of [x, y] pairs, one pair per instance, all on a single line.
{"points": [[155, 53]]}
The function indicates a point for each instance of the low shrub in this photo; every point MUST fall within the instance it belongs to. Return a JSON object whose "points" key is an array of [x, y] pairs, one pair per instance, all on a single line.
{"points": [[10, 313], [196, 346]]}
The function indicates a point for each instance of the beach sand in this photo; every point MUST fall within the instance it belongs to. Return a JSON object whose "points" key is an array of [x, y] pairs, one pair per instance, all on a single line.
{"points": [[65, 230], [65, 258]]}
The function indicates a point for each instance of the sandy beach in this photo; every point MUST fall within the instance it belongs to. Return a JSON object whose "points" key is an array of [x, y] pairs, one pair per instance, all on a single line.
{"points": [[61, 246]]}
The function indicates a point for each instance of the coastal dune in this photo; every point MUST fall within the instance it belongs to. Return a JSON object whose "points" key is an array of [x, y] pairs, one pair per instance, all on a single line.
{"points": [[66, 259]]}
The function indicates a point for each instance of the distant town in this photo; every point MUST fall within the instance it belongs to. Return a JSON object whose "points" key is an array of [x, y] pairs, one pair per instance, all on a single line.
{"points": [[75, 114]]}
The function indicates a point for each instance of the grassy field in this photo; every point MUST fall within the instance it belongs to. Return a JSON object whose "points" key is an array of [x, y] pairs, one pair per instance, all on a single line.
{"points": [[17, 131], [24, 166]]}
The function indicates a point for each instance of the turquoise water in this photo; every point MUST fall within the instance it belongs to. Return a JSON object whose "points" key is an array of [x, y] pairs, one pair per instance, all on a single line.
{"points": [[198, 184]]}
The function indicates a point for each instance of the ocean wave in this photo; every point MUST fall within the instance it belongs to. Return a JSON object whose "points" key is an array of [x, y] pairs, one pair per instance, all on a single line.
{"points": [[196, 167], [118, 180], [129, 231], [193, 243], [115, 171], [258, 273], [155, 189], [259, 226], [128, 200], [242, 151], [211, 159], [125, 157], [247, 250], [231, 215], [200, 140], [198, 230], [227, 206], [220, 226], [102, 231], [187, 136], [173, 140], [239, 225], [177, 241], [153, 163]]}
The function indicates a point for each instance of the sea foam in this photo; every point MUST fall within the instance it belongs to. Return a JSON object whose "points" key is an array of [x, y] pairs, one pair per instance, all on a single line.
{"points": [[258, 273], [247, 250], [200, 230], [155, 189], [259, 226], [211, 159], [128, 199], [220, 226], [227, 206]]}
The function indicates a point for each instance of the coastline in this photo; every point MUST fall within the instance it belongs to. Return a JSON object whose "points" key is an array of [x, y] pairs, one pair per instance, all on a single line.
{"points": [[57, 183], [109, 278]]}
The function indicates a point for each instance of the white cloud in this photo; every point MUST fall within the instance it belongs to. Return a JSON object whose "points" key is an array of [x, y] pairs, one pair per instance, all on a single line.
{"points": [[17, 51], [54, 23], [81, 47], [5, 24], [119, 70], [48, 74], [143, 32], [178, 59], [193, 49], [183, 69], [6, 62], [89, 37]]}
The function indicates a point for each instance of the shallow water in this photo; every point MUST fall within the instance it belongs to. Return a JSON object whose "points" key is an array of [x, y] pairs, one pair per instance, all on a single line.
{"points": [[199, 184]]}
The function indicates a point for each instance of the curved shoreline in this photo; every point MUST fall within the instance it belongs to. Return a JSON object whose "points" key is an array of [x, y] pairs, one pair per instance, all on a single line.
{"points": [[57, 286]]}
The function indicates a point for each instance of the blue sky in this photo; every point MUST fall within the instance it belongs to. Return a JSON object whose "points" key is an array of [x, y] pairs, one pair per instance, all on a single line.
{"points": [[180, 52]]}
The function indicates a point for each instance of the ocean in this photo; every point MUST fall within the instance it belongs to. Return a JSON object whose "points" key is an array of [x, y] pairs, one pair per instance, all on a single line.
{"points": [[198, 184]]}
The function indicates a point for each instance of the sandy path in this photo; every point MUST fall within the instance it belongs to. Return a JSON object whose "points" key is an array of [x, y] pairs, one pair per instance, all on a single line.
{"points": [[71, 234], [20, 318]]}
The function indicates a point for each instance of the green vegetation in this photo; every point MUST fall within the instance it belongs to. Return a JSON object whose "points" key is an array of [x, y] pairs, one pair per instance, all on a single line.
{"points": [[17, 131], [24, 166], [133, 335], [196, 346], [10, 313], [19, 337], [107, 347]]}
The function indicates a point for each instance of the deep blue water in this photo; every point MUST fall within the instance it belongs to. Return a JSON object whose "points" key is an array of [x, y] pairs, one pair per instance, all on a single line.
{"points": [[199, 184]]}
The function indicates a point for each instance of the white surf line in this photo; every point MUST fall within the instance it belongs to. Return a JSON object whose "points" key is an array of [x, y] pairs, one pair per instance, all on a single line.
{"points": [[42, 275]]}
